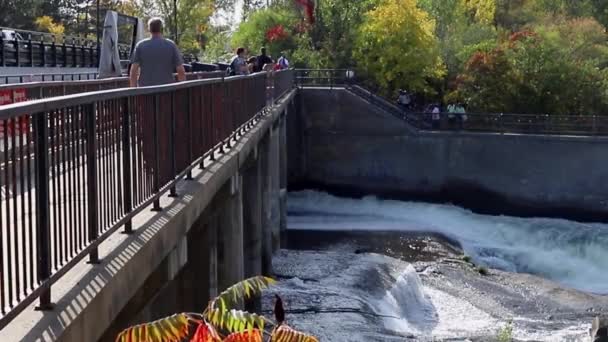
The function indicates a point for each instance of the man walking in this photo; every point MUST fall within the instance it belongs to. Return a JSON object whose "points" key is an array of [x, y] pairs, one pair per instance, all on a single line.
{"points": [[155, 59], [153, 63]]}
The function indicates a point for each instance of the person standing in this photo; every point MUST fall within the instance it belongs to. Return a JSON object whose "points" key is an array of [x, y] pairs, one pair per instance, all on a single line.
{"points": [[238, 64], [155, 59], [283, 62], [263, 59]]}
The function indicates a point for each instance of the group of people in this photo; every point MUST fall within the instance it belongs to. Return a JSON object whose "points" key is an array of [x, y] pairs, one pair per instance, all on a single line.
{"points": [[240, 64], [155, 59], [455, 112]]}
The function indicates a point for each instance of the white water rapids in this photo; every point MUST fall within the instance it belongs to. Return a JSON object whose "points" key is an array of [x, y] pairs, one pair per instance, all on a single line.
{"points": [[405, 307], [571, 253]]}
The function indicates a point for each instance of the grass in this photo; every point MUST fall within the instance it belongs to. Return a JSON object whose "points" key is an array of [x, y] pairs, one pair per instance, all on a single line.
{"points": [[505, 334], [466, 258]]}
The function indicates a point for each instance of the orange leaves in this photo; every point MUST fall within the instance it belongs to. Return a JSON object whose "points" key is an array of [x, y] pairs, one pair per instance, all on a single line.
{"points": [[169, 329], [284, 333], [218, 319], [245, 336], [205, 333]]}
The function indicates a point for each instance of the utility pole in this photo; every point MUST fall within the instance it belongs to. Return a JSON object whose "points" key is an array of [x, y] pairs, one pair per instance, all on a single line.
{"points": [[175, 21], [98, 36]]}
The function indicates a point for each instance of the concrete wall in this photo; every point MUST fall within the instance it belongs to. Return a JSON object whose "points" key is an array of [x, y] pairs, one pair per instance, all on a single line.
{"points": [[349, 146]]}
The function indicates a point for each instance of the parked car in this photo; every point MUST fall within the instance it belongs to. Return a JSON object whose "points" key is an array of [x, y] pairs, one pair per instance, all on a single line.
{"points": [[10, 35]]}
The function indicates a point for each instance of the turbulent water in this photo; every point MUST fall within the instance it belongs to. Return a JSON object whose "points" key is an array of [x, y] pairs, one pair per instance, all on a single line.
{"points": [[338, 293], [571, 253]]}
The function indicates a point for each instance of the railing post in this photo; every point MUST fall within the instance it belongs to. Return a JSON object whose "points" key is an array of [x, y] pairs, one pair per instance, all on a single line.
{"points": [[2, 52], [31, 46], [17, 59], [595, 130], [54, 52], [126, 162], [43, 233], [74, 53], [43, 53], [173, 190], [156, 176], [211, 130], [189, 128], [64, 49], [232, 111], [92, 198]]}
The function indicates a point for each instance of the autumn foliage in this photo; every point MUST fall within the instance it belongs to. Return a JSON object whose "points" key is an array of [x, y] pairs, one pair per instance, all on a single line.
{"points": [[220, 322]]}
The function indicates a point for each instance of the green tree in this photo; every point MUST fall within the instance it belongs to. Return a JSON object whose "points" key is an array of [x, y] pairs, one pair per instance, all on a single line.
{"points": [[217, 48], [19, 14], [335, 32], [462, 29], [270, 28], [527, 74], [397, 48]]}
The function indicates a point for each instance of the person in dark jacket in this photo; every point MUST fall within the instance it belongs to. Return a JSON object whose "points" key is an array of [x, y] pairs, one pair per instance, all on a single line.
{"points": [[263, 59]]}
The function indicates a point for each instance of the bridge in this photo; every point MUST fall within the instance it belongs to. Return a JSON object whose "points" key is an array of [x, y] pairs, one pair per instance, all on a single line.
{"points": [[125, 205]]}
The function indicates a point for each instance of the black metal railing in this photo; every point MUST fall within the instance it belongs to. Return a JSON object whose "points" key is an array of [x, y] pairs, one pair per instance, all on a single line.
{"points": [[24, 78], [588, 125], [37, 49], [12, 93], [322, 77], [282, 82], [77, 168], [493, 122]]}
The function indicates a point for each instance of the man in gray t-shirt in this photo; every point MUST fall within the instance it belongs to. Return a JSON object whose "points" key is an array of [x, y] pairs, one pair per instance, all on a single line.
{"points": [[155, 59]]}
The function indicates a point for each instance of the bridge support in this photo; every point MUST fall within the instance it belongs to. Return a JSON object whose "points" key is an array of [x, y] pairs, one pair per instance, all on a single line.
{"points": [[252, 215], [265, 179], [230, 234], [283, 178], [274, 188]]}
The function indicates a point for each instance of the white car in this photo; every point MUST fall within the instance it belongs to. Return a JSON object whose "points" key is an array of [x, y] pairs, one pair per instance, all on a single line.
{"points": [[10, 35]]}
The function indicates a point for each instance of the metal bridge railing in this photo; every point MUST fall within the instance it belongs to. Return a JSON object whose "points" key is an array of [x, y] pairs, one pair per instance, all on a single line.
{"points": [[36, 49], [588, 125], [321, 77], [38, 90], [24, 78], [80, 167]]}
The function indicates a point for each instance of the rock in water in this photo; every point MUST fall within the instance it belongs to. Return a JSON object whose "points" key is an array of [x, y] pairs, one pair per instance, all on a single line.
{"points": [[599, 329]]}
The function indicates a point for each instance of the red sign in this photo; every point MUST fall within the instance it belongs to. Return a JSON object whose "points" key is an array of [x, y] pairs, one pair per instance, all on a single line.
{"points": [[14, 96]]}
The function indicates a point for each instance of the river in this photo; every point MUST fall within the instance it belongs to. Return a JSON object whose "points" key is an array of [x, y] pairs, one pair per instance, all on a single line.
{"points": [[364, 282]]}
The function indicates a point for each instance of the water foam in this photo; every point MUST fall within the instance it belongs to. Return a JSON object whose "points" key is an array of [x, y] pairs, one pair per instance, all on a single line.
{"points": [[571, 253]]}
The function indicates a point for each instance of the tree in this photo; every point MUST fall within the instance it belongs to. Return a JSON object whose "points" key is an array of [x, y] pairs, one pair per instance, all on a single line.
{"points": [[217, 48], [527, 74], [335, 31], [220, 321], [46, 23], [397, 48], [462, 29], [19, 14], [270, 28]]}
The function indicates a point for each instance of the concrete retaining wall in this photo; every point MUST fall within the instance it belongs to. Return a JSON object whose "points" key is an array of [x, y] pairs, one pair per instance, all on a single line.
{"points": [[349, 146]]}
